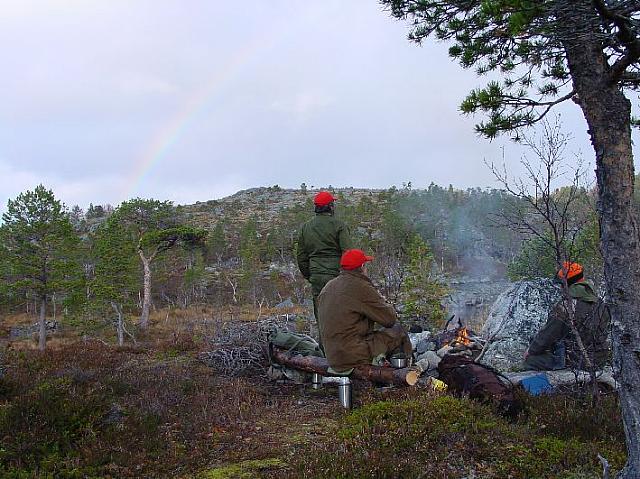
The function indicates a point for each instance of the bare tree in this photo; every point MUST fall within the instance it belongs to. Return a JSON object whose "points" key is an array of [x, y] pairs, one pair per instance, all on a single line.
{"points": [[550, 213]]}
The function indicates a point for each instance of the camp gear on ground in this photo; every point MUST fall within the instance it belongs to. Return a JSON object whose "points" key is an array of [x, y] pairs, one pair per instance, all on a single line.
{"points": [[323, 198], [398, 362], [296, 342], [353, 259], [349, 308], [345, 392], [537, 385], [463, 376], [367, 372]]}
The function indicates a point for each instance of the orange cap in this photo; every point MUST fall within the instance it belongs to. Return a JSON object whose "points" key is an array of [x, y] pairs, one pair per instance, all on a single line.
{"points": [[570, 270]]}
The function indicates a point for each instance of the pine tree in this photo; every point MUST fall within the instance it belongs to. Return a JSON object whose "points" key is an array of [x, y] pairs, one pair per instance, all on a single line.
{"points": [[153, 229], [423, 291], [39, 249], [550, 52], [116, 278]]}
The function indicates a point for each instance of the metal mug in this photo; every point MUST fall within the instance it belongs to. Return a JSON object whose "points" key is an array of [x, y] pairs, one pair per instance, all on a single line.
{"points": [[345, 392], [399, 363], [316, 381]]}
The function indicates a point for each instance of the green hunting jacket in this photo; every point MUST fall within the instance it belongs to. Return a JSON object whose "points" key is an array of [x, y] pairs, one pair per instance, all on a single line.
{"points": [[592, 322], [349, 307], [321, 243]]}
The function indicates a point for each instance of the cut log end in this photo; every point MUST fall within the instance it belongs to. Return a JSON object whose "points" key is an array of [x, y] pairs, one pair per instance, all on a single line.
{"points": [[412, 377]]}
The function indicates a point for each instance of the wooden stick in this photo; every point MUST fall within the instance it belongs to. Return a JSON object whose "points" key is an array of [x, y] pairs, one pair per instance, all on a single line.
{"points": [[313, 364]]}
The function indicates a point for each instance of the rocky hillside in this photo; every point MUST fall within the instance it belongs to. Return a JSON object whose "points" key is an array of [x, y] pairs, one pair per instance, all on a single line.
{"points": [[267, 204]]}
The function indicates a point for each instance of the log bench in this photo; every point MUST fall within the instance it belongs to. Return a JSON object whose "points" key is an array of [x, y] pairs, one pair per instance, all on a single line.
{"points": [[379, 374]]}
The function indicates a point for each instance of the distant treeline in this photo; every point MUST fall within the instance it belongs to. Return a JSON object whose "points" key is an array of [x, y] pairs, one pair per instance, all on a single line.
{"points": [[113, 261]]}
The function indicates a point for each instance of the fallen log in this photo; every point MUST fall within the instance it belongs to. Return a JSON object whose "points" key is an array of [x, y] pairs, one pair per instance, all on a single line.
{"points": [[379, 374]]}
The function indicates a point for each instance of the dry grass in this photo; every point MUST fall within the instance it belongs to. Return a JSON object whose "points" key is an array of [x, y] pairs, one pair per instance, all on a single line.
{"points": [[90, 409]]}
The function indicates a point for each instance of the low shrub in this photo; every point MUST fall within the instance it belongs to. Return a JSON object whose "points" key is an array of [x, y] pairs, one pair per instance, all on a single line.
{"points": [[442, 437]]}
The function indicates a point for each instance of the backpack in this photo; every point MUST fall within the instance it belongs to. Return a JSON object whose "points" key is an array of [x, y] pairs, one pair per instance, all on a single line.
{"points": [[296, 342], [463, 376]]}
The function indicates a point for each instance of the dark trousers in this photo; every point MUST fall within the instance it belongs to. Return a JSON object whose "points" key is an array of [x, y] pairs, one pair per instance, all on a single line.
{"points": [[390, 340], [317, 283], [549, 360]]}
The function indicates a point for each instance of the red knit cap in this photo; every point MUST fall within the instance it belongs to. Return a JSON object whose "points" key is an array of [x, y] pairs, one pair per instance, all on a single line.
{"points": [[323, 198], [353, 259]]}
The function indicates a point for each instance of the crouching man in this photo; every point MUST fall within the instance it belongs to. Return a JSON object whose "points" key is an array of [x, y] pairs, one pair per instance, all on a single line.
{"points": [[555, 340], [356, 323]]}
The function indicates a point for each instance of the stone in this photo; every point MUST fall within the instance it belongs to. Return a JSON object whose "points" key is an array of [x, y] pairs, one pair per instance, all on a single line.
{"points": [[424, 346], [287, 303], [428, 361], [415, 338], [446, 349], [514, 319]]}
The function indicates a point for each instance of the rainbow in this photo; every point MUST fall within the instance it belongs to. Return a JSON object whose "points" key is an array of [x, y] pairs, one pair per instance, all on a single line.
{"points": [[173, 130]]}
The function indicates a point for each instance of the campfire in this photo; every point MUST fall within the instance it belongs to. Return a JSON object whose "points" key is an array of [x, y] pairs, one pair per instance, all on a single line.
{"points": [[462, 337], [455, 339]]}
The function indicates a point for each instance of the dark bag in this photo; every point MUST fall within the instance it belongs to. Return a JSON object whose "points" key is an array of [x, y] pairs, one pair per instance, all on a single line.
{"points": [[465, 377]]}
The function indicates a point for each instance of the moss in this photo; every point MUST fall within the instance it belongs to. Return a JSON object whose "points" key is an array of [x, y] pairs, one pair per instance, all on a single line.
{"points": [[446, 436], [242, 470]]}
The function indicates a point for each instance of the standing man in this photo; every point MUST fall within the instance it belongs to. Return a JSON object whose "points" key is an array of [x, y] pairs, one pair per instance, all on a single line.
{"points": [[321, 243], [592, 320], [357, 325]]}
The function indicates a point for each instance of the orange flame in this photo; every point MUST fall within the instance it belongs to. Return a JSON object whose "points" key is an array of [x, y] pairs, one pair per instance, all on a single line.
{"points": [[462, 337]]}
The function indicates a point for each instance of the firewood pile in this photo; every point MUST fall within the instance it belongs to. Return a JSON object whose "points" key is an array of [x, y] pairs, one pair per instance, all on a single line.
{"points": [[430, 349]]}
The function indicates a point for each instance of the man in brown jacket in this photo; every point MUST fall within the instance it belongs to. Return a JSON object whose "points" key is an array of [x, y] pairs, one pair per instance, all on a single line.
{"points": [[356, 323]]}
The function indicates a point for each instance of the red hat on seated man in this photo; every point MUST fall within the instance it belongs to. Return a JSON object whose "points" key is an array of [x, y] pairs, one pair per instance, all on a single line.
{"points": [[354, 259]]}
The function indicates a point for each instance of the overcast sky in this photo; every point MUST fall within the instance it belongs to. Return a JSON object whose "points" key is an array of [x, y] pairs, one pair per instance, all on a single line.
{"points": [[191, 100]]}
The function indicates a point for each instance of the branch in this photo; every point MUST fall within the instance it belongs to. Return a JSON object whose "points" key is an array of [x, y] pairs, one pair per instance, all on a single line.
{"points": [[631, 78], [627, 37]]}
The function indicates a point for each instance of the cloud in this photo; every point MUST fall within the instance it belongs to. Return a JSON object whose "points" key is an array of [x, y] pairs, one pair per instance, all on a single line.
{"points": [[100, 95]]}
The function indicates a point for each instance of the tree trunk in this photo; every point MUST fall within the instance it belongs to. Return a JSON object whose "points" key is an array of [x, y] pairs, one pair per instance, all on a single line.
{"points": [[146, 297], [313, 364], [608, 113], [120, 324], [42, 324]]}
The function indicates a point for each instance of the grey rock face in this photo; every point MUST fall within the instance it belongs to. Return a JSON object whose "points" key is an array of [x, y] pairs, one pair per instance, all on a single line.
{"points": [[514, 319]]}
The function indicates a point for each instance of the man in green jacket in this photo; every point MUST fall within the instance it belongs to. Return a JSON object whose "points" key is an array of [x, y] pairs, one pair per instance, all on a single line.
{"points": [[356, 323], [321, 242], [592, 320]]}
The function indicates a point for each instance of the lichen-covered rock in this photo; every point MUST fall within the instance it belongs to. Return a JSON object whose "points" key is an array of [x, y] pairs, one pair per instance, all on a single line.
{"points": [[514, 319]]}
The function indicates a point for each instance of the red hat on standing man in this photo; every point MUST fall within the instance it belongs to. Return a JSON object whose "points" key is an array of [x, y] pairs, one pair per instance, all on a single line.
{"points": [[323, 198]]}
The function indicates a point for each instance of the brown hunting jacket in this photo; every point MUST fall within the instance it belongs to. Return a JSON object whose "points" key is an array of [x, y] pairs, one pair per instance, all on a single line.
{"points": [[349, 307]]}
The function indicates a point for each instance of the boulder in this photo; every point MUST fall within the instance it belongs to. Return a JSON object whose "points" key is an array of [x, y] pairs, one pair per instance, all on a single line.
{"points": [[415, 338], [424, 346], [428, 361], [514, 319]]}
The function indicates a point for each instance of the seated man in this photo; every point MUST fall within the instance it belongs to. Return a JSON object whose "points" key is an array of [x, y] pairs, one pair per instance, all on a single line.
{"points": [[592, 321], [356, 323]]}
